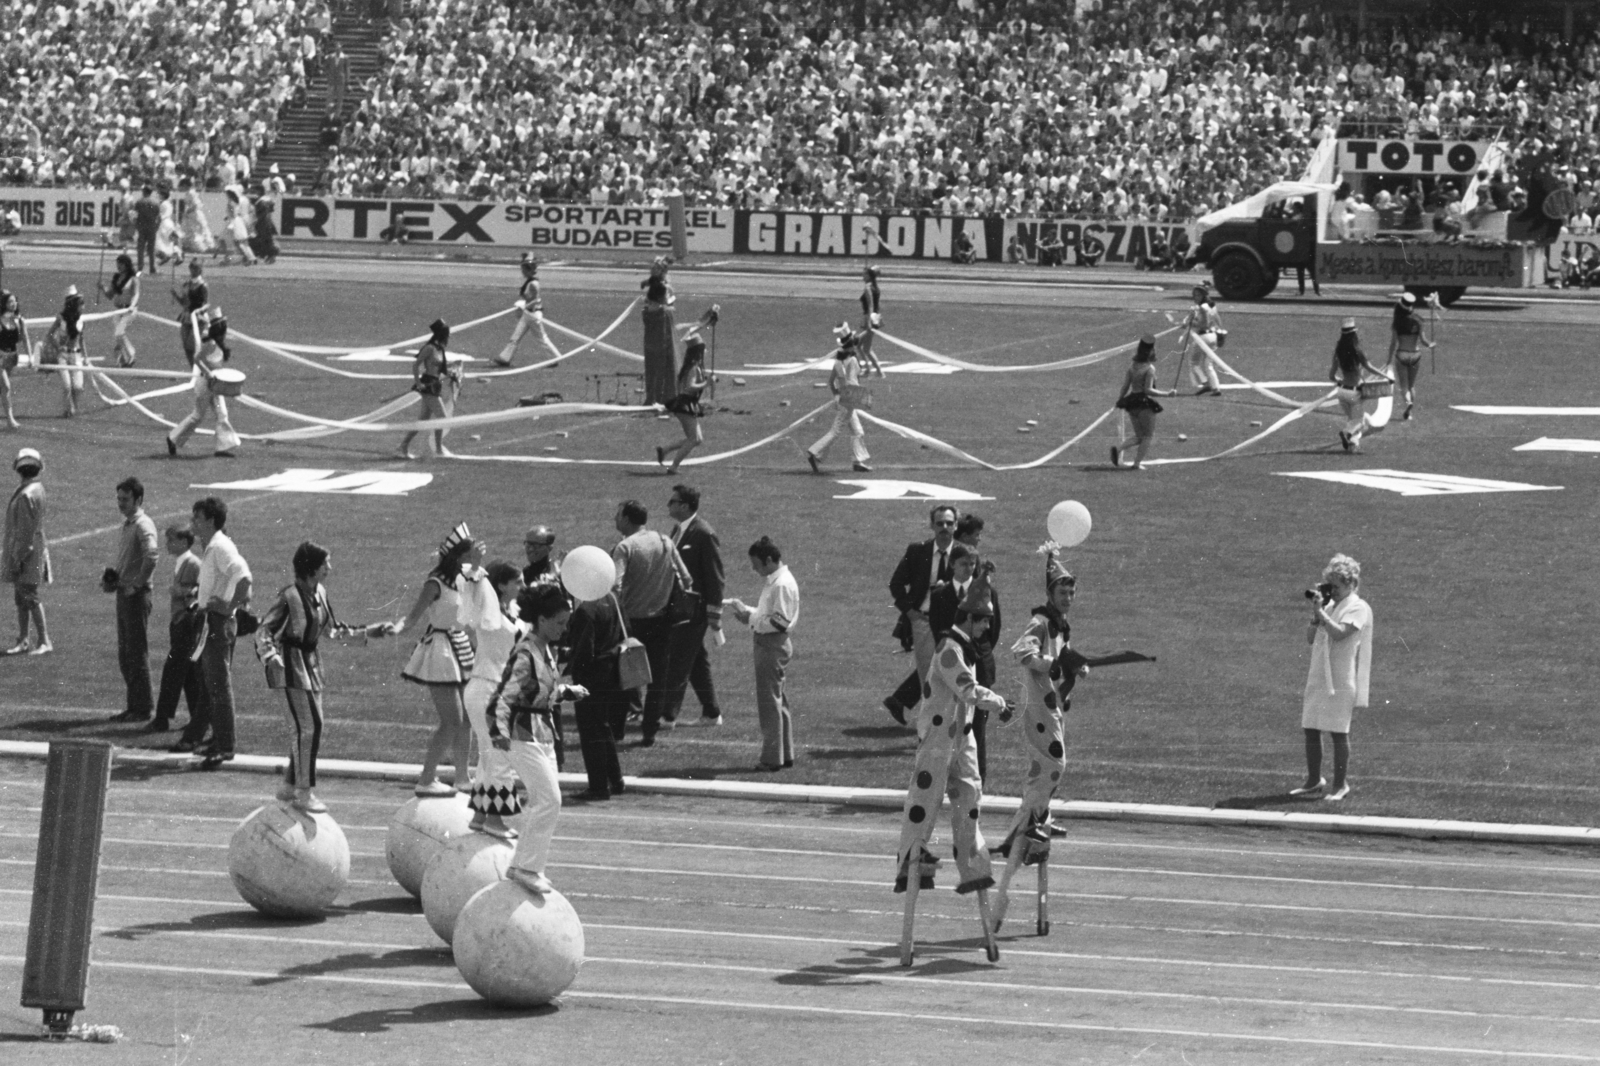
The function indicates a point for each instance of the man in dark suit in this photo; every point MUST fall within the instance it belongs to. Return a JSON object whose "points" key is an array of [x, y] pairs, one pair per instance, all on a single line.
{"points": [[687, 662], [924, 564], [147, 223], [945, 599]]}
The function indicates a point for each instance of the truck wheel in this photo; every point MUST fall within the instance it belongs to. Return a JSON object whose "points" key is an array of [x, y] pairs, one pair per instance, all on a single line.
{"points": [[1270, 282], [1238, 277], [1448, 294]]}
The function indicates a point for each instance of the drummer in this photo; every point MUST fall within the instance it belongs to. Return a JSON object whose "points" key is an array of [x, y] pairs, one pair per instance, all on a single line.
{"points": [[1349, 361], [211, 377]]}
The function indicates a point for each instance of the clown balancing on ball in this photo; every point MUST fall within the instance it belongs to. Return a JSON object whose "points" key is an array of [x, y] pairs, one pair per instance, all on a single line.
{"points": [[522, 725]]}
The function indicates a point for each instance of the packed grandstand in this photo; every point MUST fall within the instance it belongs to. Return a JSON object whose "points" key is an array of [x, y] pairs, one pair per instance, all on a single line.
{"points": [[1147, 109]]}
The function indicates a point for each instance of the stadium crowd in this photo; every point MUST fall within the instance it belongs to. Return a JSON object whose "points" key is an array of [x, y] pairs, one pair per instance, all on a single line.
{"points": [[1140, 108], [148, 90]]}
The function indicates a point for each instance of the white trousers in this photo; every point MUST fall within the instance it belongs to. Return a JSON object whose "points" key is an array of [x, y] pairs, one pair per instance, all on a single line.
{"points": [[207, 403], [524, 320], [845, 421], [1201, 369], [535, 762]]}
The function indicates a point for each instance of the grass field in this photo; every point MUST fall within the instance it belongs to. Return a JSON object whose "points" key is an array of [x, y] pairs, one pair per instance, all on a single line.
{"points": [[1484, 671]]}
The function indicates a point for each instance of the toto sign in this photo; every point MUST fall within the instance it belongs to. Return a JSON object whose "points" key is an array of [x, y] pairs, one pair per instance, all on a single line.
{"points": [[1410, 157]]}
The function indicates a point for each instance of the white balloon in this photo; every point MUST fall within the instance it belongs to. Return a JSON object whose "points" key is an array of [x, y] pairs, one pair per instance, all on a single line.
{"points": [[588, 572], [1069, 523]]}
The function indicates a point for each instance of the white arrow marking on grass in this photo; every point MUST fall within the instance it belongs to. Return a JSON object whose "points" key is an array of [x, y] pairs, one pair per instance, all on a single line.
{"points": [[907, 490], [362, 483], [1559, 444], [1409, 484], [1478, 410]]}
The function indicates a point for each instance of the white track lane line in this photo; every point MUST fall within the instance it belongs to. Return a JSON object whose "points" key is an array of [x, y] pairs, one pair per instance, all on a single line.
{"points": [[969, 1022], [884, 977], [1012, 949], [890, 833], [865, 857]]}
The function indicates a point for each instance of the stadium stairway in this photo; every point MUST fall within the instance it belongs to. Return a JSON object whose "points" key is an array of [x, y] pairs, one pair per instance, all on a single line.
{"points": [[299, 149]]}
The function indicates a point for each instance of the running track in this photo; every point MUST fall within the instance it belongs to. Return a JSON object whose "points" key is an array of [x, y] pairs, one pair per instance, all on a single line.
{"points": [[738, 932]]}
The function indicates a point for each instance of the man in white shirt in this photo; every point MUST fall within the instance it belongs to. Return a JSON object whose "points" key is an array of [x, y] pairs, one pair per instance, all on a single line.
{"points": [[224, 588], [770, 621]]}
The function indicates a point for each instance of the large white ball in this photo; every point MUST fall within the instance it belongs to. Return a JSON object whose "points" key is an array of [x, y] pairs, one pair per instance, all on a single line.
{"points": [[455, 875], [588, 572], [516, 948], [1069, 523], [418, 830], [287, 863]]}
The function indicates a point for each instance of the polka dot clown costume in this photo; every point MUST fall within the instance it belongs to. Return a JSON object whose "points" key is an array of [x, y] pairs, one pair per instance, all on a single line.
{"points": [[1042, 711], [948, 754]]}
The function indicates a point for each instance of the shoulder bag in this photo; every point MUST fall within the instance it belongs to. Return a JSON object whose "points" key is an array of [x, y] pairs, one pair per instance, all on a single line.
{"points": [[633, 662]]}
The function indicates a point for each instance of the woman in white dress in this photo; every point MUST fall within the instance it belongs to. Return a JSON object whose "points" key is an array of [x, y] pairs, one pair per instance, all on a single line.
{"points": [[1340, 635], [489, 611], [194, 226], [235, 229], [167, 246], [443, 658]]}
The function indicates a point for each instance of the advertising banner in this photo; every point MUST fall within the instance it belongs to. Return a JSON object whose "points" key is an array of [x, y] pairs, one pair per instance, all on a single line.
{"points": [[1095, 241], [1378, 156], [843, 235], [556, 227], [85, 210], [1421, 264]]}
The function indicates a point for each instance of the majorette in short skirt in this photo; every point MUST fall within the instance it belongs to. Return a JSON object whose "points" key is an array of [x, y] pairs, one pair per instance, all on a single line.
{"points": [[444, 654]]}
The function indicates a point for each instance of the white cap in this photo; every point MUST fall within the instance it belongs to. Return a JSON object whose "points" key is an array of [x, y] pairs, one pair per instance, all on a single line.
{"points": [[72, 290], [27, 457]]}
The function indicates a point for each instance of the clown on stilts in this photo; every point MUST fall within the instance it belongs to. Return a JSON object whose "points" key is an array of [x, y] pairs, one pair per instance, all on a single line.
{"points": [[1042, 709], [530, 313], [947, 763]]}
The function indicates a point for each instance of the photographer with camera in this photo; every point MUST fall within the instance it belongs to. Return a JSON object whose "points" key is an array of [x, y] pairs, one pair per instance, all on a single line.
{"points": [[1340, 635]]}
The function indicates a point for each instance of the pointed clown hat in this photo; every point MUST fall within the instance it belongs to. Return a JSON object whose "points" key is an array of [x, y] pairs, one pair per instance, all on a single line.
{"points": [[1055, 573], [457, 537], [978, 601]]}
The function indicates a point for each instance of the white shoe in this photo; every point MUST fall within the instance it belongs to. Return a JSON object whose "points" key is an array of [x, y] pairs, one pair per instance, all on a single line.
{"points": [[531, 880], [1306, 790], [1335, 797], [306, 800], [433, 789]]}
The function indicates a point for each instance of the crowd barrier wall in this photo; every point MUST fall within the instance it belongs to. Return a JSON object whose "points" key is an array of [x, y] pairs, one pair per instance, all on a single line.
{"points": [[561, 228]]}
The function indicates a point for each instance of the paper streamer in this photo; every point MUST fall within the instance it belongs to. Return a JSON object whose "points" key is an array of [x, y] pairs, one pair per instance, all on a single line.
{"points": [[696, 461], [483, 418], [981, 368]]}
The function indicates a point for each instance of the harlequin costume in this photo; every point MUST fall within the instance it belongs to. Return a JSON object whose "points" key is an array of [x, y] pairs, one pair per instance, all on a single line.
{"points": [[947, 755], [531, 314], [494, 780], [286, 644]]}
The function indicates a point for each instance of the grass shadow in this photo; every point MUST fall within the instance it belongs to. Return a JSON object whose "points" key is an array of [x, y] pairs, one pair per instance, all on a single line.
{"points": [[878, 732], [447, 1011], [137, 772], [1256, 803], [843, 754]]}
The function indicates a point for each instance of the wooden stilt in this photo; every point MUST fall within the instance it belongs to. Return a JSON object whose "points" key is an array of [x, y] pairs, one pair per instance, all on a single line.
{"points": [[1002, 903], [990, 948], [1043, 925], [908, 944]]}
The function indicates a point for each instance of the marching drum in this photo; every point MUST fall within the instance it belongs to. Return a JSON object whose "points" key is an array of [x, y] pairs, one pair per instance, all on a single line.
{"points": [[227, 381], [1374, 388]]}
